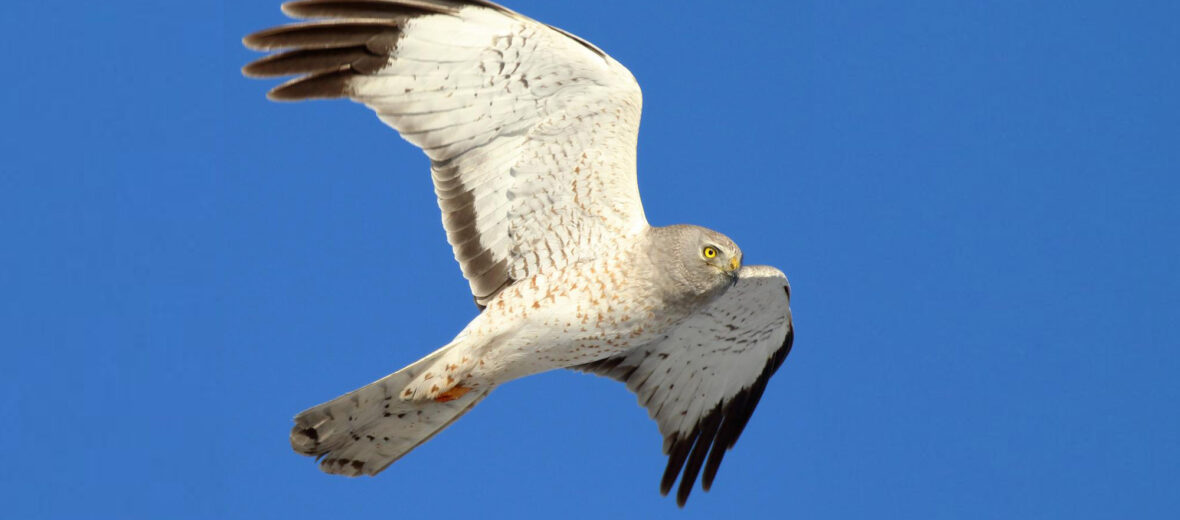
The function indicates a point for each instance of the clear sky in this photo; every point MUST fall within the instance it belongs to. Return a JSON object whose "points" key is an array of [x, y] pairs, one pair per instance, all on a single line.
{"points": [[977, 204]]}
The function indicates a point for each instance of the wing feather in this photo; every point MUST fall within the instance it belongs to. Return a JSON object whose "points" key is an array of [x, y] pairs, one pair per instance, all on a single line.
{"points": [[531, 131], [702, 383]]}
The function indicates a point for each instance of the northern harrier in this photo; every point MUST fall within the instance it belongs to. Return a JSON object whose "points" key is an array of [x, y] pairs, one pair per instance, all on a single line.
{"points": [[531, 133]]}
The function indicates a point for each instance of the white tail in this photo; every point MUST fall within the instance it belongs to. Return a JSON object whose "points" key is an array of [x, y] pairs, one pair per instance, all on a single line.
{"points": [[364, 431]]}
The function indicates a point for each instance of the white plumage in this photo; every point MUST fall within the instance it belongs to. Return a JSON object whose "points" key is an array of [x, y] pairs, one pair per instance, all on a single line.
{"points": [[531, 133]]}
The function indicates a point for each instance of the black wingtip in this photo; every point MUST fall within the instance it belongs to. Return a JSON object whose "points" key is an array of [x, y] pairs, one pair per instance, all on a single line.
{"points": [[676, 456], [362, 9], [327, 85], [706, 440]]}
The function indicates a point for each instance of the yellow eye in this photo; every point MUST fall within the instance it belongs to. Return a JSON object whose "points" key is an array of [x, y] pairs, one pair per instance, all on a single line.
{"points": [[709, 252]]}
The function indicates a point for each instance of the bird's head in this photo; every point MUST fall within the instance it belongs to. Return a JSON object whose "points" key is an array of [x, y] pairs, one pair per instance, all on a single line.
{"points": [[704, 260], [719, 253]]}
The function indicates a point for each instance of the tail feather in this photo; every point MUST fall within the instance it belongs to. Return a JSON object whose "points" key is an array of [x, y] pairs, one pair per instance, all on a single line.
{"points": [[364, 431]]}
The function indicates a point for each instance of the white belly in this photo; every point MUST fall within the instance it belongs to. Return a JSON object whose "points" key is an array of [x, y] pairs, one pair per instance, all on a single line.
{"points": [[580, 315]]}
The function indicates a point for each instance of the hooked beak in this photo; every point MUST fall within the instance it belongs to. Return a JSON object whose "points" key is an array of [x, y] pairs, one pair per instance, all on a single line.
{"points": [[735, 264]]}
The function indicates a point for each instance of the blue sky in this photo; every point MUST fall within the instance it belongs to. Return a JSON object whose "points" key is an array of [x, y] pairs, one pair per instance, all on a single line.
{"points": [[977, 205]]}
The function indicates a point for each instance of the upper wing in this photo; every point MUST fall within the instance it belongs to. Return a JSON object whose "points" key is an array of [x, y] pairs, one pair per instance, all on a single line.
{"points": [[531, 132], [702, 382]]}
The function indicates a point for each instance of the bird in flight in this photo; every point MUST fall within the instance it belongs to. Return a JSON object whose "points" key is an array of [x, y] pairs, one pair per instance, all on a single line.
{"points": [[531, 134]]}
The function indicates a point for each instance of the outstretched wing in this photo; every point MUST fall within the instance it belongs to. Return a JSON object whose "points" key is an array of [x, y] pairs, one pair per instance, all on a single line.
{"points": [[531, 132], [702, 382]]}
